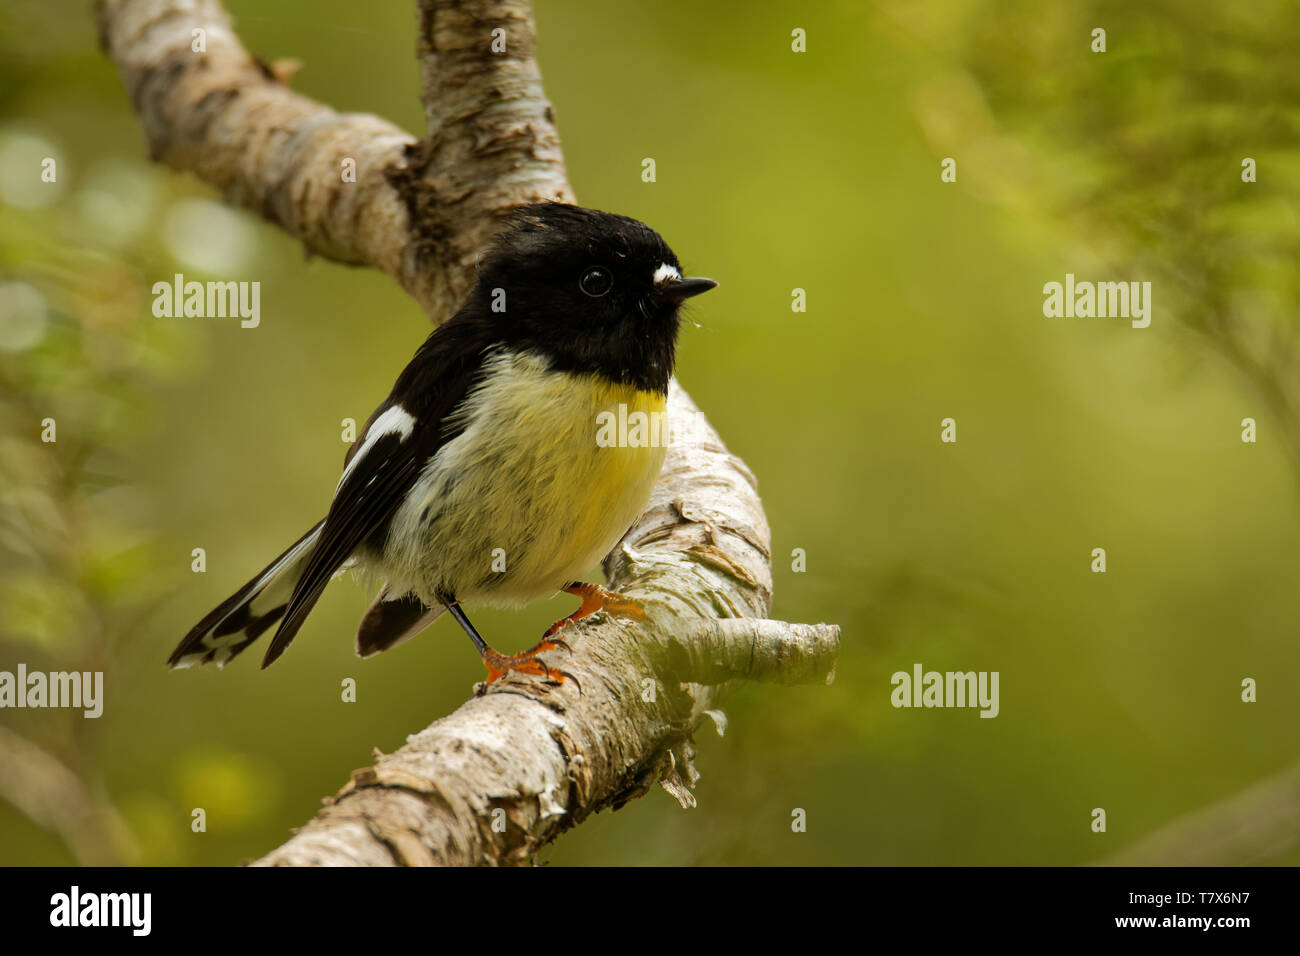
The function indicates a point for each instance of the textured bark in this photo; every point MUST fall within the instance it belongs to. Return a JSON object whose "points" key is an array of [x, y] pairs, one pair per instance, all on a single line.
{"points": [[419, 210], [523, 760]]}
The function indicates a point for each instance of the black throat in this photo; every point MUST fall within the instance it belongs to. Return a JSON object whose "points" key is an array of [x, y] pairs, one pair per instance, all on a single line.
{"points": [[640, 352]]}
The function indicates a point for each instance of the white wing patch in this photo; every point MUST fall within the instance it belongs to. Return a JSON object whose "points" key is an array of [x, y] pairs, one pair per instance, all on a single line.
{"points": [[393, 420], [665, 273]]}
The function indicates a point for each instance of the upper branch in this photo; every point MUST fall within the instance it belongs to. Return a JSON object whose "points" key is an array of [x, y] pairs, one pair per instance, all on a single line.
{"points": [[418, 211], [491, 139]]}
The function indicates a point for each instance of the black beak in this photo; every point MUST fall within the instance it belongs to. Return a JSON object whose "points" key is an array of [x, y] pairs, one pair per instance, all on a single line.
{"points": [[679, 290]]}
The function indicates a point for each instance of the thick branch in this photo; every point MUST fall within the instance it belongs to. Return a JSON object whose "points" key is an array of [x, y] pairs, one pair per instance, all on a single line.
{"points": [[223, 116], [524, 760], [491, 140]]}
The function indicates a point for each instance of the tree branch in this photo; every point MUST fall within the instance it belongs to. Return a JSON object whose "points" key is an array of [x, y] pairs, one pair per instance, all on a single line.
{"points": [[523, 760], [491, 141]]}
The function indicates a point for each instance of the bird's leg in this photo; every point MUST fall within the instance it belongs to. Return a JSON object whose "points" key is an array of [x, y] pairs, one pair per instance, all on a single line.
{"points": [[498, 664], [595, 598]]}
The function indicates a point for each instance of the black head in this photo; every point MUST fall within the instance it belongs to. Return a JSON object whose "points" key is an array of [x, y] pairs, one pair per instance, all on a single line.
{"points": [[591, 291]]}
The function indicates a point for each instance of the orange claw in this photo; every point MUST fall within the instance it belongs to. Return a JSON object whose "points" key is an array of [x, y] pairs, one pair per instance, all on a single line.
{"points": [[596, 598], [498, 665]]}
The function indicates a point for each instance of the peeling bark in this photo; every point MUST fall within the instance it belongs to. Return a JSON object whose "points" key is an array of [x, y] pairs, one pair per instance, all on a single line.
{"points": [[522, 761]]}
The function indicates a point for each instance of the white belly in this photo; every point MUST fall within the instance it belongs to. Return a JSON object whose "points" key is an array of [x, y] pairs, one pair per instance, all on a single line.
{"points": [[526, 499]]}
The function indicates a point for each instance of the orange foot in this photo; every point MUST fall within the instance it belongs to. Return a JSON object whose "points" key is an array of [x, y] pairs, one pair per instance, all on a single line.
{"points": [[595, 598], [498, 665]]}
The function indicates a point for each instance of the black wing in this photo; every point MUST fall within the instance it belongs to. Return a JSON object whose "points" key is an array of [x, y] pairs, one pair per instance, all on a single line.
{"points": [[442, 373]]}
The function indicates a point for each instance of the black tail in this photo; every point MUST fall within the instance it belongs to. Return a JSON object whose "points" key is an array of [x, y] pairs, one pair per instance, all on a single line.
{"points": [[392, 619], [244, 616]]}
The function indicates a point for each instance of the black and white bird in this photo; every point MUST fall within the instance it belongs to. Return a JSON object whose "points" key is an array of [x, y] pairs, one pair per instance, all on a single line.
{"points": [[482, 477]]}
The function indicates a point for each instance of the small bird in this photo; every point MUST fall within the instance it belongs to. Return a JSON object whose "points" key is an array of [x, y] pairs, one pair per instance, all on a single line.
{"points": [[485, 476]]}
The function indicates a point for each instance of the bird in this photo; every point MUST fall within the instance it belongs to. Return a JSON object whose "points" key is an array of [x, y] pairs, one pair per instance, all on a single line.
{"points": [[484, 477]]}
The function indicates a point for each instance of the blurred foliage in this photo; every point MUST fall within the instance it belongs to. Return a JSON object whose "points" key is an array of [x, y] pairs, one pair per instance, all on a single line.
{"points": [[776, 170], [1139, 151], [78, 363]]}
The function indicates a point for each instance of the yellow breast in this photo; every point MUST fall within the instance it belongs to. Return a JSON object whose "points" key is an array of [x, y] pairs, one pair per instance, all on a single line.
{"points": [[550, 471]]}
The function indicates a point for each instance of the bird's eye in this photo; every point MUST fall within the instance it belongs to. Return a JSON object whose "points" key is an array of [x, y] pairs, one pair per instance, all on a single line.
{"points": [[596, 282]]}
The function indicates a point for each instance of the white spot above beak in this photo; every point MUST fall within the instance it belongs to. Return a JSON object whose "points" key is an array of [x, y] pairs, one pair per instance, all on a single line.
{"points": [[666, 273]]}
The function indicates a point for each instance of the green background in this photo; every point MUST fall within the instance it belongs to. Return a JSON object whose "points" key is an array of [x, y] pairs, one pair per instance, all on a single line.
{"points": [[776, 170]]}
